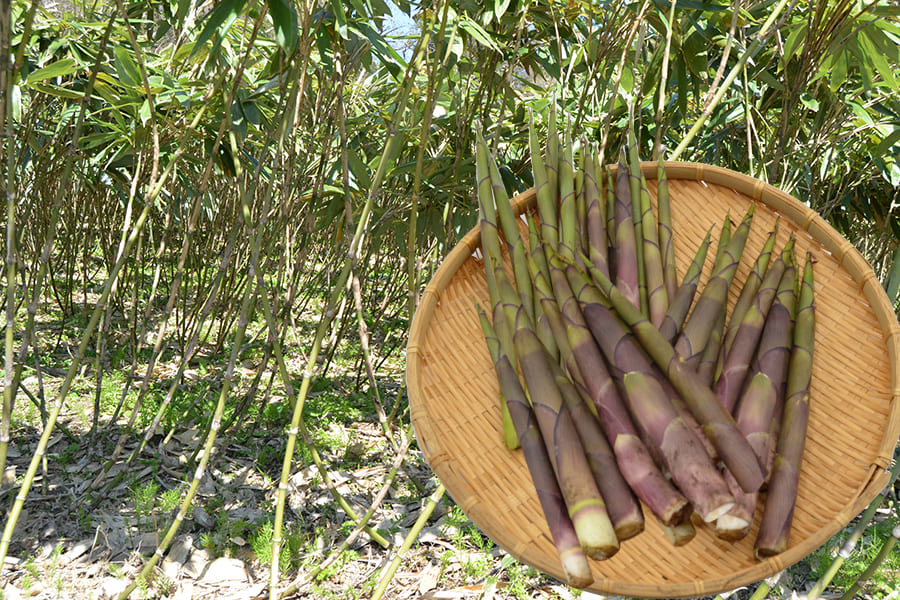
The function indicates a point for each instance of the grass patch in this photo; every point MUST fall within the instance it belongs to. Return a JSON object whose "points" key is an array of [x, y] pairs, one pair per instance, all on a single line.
{"points": [[882, 582]]}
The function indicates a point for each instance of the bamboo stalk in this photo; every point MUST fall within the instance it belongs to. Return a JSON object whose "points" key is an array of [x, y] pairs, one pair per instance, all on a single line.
{"points": [[408, 541], [749, 53], [154, 191], [10, 385], [876, 563], [207, 448], [338, 552]]}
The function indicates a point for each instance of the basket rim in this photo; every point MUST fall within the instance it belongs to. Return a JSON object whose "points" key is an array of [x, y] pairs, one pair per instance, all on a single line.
{"points": [[804, 218]]}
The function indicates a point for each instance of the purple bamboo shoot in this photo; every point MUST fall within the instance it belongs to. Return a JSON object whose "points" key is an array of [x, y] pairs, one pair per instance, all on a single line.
{"points": [[666, 239], [717, 423], [632, 456], [626, 243], [682, 452], [713, 300], [574, 562], [680, 304], [583, 499], [737, 361], [778, 512]]}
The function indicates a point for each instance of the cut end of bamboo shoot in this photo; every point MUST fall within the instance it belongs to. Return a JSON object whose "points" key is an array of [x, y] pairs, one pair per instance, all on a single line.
{"points": [[732, 527], [628, 528], [594, 529], [680, 534], [576, 568]]}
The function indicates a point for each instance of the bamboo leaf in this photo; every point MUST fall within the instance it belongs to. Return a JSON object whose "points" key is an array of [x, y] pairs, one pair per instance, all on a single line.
{"points": [[500, 7], [144, 112], [59, 68], [877, 59], [127, 70], [838, 71], [477, 33], [382, 49], [56, 90], [284, 18], [340, 18], [888, 141], [793, 45], [892, 285], [220, 20]]}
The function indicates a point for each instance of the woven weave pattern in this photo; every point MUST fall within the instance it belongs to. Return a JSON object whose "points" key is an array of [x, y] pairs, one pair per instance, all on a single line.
{"points": [[854, 408]]}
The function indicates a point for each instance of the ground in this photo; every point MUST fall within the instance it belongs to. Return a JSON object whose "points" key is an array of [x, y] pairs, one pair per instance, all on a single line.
{"points": [[85, 537]]}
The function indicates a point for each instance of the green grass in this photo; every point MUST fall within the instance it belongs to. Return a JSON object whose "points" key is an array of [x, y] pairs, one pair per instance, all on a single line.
{"points": [[883, 581], [143, 499]]}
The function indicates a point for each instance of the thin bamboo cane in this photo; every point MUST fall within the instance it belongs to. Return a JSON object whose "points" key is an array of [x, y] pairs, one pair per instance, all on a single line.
{"points": [[174, 295], [849, 546], [224, 393], [663, 79], [391, 148], [362, 328], [873, 567], [188, 353], [411, 537], [139, 345], [413, 269], [7, 189], [763, 34], [103, 334], [80, 352], [43, 265]]}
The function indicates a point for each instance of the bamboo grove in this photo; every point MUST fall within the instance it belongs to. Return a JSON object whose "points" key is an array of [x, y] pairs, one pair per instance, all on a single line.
{"points": [[192, 180]]}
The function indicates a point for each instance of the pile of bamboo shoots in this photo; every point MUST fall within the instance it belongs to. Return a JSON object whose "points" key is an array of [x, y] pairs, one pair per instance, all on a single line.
{"points": [[625, 387]]}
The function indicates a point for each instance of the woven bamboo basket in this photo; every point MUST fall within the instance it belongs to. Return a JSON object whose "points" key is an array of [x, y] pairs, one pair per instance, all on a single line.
{"points": [[854, 408]]}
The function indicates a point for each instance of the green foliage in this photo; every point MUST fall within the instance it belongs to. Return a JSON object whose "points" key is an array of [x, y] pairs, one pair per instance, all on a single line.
{"points": [[144, 501], [170, 500]]}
